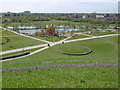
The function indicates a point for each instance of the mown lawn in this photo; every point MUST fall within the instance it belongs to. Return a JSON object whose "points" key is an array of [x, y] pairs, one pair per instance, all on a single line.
{"points": [[49, 38], [105, 51], [30, 50], [17, 41], [0, 39], [73, 48], [102, 33], [55, 22], [62, 78], [78, 37]]}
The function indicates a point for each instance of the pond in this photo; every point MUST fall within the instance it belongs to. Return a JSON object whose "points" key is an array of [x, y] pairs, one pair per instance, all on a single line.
{"points": [[70, 29], [29, 31], [110, 29], [21, 27], [33, 31]]}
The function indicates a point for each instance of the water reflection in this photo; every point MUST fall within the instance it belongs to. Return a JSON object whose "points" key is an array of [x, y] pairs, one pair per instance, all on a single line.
{"points": [[29, 31]]}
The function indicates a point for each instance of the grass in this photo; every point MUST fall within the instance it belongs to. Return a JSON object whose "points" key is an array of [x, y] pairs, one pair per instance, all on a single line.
{"points": [[5, 33], [102, 33], [1, 30], [0, 39], [73, 48], [55, 22], [78, 37], [62, 78], [17, 41], [9, 54], [0, 76], [104, 51], [49, 38], [79, 31]]}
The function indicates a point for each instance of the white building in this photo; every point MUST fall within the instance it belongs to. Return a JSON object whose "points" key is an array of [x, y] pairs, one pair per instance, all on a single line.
{"points": [[99, 16]]}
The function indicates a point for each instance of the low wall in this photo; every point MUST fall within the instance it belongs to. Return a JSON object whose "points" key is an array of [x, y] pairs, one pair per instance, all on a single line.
{"points": [[14, 56], [77, 54]]}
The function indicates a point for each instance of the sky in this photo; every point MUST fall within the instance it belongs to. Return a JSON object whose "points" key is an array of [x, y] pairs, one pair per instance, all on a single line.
{"points": [[60, 6]]}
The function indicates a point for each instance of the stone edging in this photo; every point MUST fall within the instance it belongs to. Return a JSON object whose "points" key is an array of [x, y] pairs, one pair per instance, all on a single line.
{"points": [[14, 56], [57, 66]]}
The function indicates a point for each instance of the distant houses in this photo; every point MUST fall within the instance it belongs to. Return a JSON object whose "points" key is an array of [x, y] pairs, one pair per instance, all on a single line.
{"points": [[103, 16]]}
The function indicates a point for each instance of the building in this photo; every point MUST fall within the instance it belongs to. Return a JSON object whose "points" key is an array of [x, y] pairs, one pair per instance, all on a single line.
{"points": [[26, 12], [99, 16]]}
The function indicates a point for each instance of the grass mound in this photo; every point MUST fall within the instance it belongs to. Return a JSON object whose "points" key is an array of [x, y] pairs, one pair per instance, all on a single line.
{"points": [[73, 48]]}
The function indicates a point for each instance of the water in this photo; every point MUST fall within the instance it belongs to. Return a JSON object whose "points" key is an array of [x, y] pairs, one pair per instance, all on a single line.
{"points": [[38, 30], [69, 29], [29, 31], [32, 30], [21, 27], [110, 29]]}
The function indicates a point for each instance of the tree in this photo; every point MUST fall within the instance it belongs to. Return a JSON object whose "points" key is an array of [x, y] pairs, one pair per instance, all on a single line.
{"points": [[51, 30], [38, 33]]}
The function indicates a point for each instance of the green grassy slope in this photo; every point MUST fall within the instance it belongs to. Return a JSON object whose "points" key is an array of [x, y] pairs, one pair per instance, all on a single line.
{"points": [[62, 78], [78, 37], [17, 41], [103, 33], [104, 51]]}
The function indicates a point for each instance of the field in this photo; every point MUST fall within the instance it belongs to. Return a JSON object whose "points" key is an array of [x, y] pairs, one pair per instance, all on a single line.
{"points": [[103, 49], [77, 37], [62, 78], [0, 39], [0, 62], [50, 38], [30, 50], [103, 33], [16, 41], [73, 48], [55, 22], [104, 52]]}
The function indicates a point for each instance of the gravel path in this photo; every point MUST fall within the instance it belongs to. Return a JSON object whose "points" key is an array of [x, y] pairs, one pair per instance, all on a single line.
{"points": [[57, 66]]}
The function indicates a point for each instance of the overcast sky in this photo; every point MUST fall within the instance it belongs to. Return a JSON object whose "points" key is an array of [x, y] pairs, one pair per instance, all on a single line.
{"points": [[60, 6]]}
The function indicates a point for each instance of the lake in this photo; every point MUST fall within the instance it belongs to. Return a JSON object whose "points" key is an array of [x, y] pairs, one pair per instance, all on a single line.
{"points": [[29, 31], [21, 27], [38, 30], [70, 29]]}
